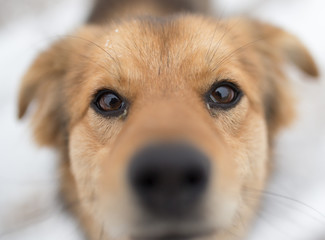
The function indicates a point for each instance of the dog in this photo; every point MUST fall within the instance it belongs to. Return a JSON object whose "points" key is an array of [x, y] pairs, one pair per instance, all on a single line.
{"points": [[164, 117]]}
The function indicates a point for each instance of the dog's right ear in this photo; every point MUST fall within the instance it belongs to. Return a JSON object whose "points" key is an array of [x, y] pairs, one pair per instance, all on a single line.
{"points": [[43, 83], [46, 81]]}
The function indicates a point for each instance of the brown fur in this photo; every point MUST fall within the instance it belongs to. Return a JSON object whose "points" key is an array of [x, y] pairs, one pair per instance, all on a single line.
{"points": [[164, 66]]}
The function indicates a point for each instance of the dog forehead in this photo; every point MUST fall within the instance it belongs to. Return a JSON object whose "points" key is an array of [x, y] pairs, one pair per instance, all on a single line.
{"points": [[179, 47]]}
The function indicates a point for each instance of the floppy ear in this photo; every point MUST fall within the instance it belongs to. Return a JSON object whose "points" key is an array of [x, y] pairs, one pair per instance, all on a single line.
{"points": [[277, 47], [287, 47], [42, 83]]}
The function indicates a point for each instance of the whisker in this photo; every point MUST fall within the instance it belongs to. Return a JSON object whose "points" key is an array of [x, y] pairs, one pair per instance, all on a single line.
{"points": [[234, 52], [276, 195], [270, 224], [93, 43], [59, 37], [211, 40], [226, 31], [263, 214], [89, 60]]}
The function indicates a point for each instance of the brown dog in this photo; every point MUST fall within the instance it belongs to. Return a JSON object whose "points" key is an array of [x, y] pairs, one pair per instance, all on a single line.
{"points": [[164, 123]]}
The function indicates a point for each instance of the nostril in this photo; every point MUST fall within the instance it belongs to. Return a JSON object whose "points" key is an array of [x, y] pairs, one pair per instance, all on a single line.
{"points": [[147, 181], [194, 178]]}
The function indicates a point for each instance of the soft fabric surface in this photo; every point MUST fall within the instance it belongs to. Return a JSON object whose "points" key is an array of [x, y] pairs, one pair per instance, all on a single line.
{"points": [[294, 205]]}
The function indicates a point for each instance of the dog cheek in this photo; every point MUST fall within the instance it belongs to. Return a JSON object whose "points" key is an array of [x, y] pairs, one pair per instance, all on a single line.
{"points": [[254, 169], [99, 177], [85, 165], [256, 151], [250, 154]]}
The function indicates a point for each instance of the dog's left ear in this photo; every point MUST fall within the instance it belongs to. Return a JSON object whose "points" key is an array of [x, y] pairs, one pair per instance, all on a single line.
{"points": [[284, 46], [276, 47]]}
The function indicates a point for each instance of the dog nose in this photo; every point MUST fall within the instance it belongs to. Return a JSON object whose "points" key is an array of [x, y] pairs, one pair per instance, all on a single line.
{"points": [[169, 178]]}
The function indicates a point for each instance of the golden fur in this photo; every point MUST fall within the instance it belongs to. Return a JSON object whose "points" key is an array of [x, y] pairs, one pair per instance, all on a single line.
{"points": [[164, 66]]}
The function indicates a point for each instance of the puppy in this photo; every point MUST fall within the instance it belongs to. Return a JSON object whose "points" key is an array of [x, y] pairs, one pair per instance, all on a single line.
{"points": [[164, 123]]}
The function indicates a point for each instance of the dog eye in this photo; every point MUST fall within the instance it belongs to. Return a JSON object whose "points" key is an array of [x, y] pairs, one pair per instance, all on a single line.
{"points": [[109, 103], [224, 95]]}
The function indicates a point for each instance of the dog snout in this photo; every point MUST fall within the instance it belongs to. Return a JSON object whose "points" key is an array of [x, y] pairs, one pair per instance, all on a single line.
{"points": [[169, 179]]}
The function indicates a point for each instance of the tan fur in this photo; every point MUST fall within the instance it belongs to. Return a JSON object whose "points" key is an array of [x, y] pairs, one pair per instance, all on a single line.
{"points": [[164, 66]]}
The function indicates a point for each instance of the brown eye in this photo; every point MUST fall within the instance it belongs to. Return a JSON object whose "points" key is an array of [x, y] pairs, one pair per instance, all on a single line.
{"points": [[109, 103], [224, 95]]}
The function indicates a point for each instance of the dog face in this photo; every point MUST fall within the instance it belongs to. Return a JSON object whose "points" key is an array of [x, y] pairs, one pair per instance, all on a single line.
{"points": [[165, 125]]}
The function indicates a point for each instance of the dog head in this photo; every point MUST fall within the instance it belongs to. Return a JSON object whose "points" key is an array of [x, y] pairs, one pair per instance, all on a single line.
{"points": [[166, 124]]}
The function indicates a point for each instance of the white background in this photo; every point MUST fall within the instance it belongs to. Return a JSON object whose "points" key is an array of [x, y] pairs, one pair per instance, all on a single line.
{"points": [[29, 208]]}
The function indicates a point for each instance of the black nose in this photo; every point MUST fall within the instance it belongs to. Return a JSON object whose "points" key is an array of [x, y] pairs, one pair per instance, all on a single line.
{"points": [[169, 178]]}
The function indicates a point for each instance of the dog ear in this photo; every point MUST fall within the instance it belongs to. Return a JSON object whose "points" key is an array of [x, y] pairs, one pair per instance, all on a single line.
{"points": [[42, 83], [46, 83], [277, 47], [286, 46]]}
